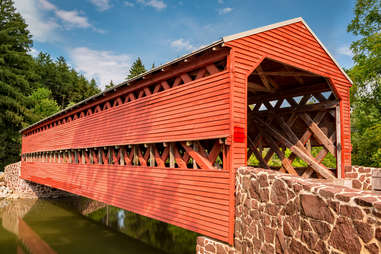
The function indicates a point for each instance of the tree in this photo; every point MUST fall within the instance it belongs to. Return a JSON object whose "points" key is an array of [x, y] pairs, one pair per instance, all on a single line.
{"points": [[15, 73], [66, 84], [367, 50], [366, 90], [43, 103], [109, 85], [136, 68]]}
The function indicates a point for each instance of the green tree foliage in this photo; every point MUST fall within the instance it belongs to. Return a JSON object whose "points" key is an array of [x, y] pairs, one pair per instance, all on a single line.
{"points": [[15, 74], [30, 89], [366, 90], [66, 84], [136, 68], [109, 85], [43, 103]]}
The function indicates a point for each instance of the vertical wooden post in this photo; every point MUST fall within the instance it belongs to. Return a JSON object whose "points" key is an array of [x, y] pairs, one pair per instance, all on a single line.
{"points": [[338, 142], [195, 148], [151, 156], [136, 159], [122, 152], [171, 155], [83, 156]]}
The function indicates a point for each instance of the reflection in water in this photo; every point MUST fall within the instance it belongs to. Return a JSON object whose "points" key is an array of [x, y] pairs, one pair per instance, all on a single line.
{"points": [[158, 234], [42, 226]]}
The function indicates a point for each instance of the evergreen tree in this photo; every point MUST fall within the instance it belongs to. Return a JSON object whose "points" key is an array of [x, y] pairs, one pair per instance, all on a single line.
{"points": [[15, 73], [109, 85], [66, 84], [136, 68]]}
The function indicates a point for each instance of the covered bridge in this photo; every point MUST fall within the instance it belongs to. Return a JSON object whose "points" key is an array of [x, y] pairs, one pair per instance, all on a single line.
{"points": [[166, 143]]}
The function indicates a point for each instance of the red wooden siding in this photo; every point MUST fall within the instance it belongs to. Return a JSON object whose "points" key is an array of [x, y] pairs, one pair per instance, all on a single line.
{"points": [[195, 110], [197, 99], [197, 200], [294, 45]]}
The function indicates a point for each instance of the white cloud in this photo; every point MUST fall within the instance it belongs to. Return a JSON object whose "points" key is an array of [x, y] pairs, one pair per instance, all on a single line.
{"points": [[157, 4], [182, 44], [41, 27], [344, 50], [103, 66], [129, 4], [47, 5], [224, 10], [101, 5], [45, 19], [73, 18], [220, 1]]}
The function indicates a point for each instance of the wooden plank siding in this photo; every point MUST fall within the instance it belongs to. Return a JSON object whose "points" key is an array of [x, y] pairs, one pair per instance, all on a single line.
{"points": [[197, 200], [294, 45], [193, 111], [176, 104]]}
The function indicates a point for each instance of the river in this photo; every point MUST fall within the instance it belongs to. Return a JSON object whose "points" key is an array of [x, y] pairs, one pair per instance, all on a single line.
{"points": [[79, 225]]}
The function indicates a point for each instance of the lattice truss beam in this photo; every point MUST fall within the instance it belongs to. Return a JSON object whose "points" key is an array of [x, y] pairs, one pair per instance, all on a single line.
{"points": [[297, 123], [202, 154], [156, 87]]}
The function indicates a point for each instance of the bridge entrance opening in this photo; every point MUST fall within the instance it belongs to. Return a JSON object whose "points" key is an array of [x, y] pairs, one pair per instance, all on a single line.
{"points": [[293, 120]]}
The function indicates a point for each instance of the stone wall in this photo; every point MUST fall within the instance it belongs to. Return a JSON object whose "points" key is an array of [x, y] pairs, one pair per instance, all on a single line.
{"points": [[26, 189], [279, 213], [361, 177]]}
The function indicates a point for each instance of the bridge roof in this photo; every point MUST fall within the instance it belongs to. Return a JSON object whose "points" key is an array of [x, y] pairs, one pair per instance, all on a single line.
{"points": [[196, 52]]}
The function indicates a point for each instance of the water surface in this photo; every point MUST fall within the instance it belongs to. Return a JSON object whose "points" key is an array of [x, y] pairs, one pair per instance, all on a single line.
{"points": [[78, 225]]}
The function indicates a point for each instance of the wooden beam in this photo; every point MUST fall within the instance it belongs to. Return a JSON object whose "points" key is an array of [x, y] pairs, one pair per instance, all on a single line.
{"points": [[292, 136], [195, 148], [179, 160], [310, 161], [213, 154], [318, 133], [298, 91], [285, 161], [253, 87], [201, 73], [286, 73], [212, 69], [202, 161], [171, 155], [265, 82], [158, 159], [324, 106], [186, 78], [165, 85], [257, 154]]}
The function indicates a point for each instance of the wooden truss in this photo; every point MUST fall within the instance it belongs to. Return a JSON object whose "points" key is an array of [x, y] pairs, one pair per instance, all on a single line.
{"points": [[202, 154], [296, 123]]}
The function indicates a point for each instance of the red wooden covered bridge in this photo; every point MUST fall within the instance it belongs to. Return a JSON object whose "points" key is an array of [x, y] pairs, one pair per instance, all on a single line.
{"points": [[166, 143]]}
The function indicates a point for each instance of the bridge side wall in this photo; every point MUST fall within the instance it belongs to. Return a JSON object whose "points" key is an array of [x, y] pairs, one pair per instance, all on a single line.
{"points": [[196, 200], [193, 111], [70, 153]]}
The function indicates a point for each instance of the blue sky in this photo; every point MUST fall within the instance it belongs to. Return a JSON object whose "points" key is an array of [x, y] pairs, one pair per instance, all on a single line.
{"points": [[101, 38]]}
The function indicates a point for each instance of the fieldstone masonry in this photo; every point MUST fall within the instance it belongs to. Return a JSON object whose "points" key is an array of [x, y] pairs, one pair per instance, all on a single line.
{"points": [[362, 177], [279, 213], [25, 189]]}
